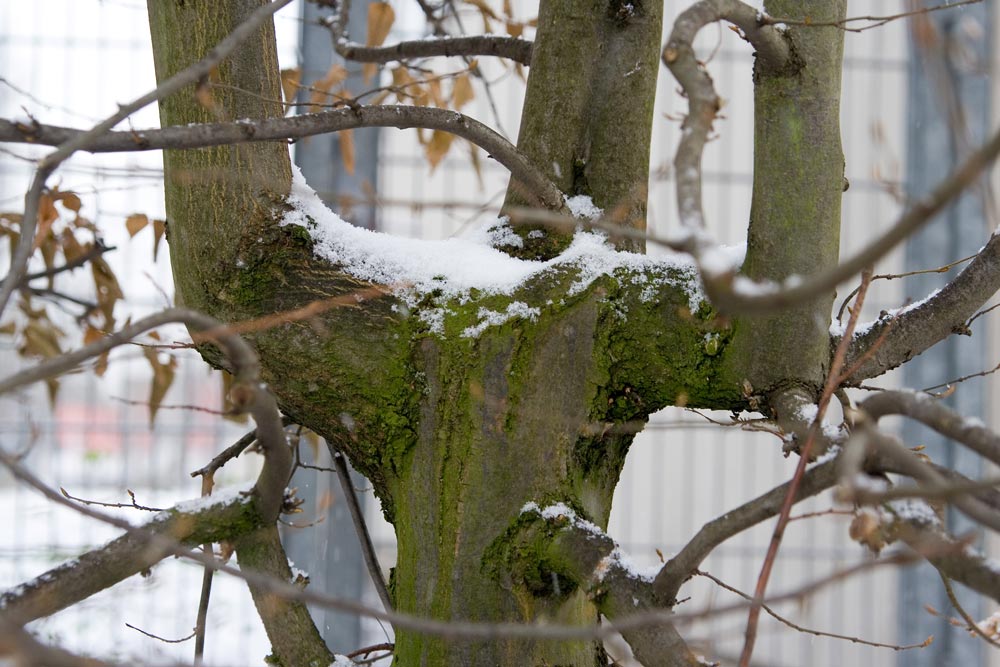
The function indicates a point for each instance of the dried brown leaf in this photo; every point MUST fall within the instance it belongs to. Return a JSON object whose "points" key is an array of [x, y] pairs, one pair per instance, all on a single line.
{"points": [[159, 229], [462, 92], [381, 16], [135, 223], [290, 79], [437, 147], [347, 149]]}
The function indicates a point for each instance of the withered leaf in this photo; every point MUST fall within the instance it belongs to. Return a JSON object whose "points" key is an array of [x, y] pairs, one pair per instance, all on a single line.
{"points": [[135, 223], [437, 147]]}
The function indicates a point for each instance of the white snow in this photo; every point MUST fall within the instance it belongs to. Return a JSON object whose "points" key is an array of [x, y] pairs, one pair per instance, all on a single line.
{"points": [[489, 318], [342, 661], [837, 328], [556, 510], [218, 497], [453, 267], [916, 510], [582, 206]]}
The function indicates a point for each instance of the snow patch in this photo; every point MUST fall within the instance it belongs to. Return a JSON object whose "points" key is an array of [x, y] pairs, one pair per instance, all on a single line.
{"points": [[219, 497], [489, 318], [454, 267], [582, 206]]}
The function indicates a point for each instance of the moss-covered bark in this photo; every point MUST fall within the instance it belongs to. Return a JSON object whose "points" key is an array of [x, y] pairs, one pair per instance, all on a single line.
{"points": [[797, 189], [588, 111]]}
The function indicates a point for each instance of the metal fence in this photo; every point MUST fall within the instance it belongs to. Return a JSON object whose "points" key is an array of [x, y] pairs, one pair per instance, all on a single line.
{"points": [[69, 61]]}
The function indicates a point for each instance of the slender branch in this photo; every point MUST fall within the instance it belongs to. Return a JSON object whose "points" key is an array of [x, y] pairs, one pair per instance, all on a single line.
{"points": [[360, 527], [446, 629], [48, 164], [876, 21], [94, 251], [704, 104], [970, 622], [933, 413], [919, 326], [810, 631], [912, 220], [306, 125], [231, 452], [501, 46], [180, 640], [677, 570], [137, 550], [829, 388]]}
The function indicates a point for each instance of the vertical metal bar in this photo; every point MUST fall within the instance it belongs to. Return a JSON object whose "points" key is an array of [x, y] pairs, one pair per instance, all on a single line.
{"points": [[948, 80]]}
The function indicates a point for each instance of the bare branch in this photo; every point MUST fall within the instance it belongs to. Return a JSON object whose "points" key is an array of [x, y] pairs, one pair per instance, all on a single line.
{"points": [[502, 46], [130, 554], [290, 629], [360, 527], [933, 413], [51, 162], [677, 570], [875, 20], [819, 633], [920, 326], [306, 125], [704, 104]]}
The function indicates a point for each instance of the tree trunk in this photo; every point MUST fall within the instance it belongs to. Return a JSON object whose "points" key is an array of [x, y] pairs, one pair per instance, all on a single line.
{"points": [[797, 188], [457, 434]]}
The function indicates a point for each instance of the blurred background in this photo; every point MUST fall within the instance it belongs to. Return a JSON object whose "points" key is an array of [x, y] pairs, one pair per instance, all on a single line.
{"points": [[909, 111]]}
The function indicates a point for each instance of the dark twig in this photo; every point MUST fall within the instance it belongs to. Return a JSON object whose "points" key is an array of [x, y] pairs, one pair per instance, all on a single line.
{"points": [[133, 504], [810, 631], [829, 387], [159, 638], [292, 127], [969, 621], [360, 527], [875, 21]]}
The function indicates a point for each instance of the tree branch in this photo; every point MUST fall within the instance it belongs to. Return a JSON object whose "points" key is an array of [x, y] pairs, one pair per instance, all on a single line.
{"points": [[306, 125], [704, 103], [134, 552], [294, 637], [51, 162], [360, 527], [247, 395], [920, 326], [931, 412], [590, 559], [677, 570], [501, 46]]}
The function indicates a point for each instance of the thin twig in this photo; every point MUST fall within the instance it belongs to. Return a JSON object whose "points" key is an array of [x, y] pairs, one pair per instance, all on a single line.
{"points": [[818, 633], [970, 622], [830, 386], [159, 638], [876, 21], [360, 527], [132, 505]]}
